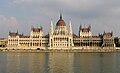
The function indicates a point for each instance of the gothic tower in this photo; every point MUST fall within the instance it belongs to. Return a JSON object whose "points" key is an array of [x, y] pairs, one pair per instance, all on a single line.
{"points": [[70, 28], [51, 27]]}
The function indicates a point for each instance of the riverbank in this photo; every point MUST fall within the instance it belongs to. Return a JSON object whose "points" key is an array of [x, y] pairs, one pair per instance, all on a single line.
{"points": [[61, 50]]}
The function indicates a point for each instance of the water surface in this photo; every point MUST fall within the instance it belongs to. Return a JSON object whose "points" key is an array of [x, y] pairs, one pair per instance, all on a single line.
{"points": [[59, 62]]}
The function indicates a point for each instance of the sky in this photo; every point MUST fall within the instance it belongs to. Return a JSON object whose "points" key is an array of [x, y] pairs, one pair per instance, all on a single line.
{"points": [[20, 15]]}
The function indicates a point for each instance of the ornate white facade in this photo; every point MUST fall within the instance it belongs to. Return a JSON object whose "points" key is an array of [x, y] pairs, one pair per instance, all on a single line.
{"points": [[58, 38], [85, 32]]}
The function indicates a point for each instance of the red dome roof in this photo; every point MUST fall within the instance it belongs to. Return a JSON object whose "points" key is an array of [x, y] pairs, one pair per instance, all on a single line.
{"points": [[60, 22]]}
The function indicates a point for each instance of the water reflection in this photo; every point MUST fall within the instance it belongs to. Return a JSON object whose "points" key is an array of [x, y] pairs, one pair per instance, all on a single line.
{"points": [[61, 63], [18, 62], [94, 63], [3, 62]]}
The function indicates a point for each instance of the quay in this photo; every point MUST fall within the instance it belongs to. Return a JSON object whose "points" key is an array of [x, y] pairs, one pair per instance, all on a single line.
{"points": [[60, 50]]}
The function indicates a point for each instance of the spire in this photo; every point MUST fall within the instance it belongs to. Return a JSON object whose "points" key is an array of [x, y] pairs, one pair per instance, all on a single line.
{"points": [[112, 33], [99, 33], [9, 32], [89, 27], [60, 16], [41, 28], [17, 32], [104, 32], [22, 34], [84, 25], [32, 27], [70, 27], [51, 27], [80, 29]]}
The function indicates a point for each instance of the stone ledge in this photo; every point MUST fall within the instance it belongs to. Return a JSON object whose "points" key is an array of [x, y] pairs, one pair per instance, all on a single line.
{"points": [[61, 50]]}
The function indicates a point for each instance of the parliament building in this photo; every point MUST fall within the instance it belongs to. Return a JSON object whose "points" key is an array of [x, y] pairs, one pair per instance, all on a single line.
{"points": [[60, 38]]}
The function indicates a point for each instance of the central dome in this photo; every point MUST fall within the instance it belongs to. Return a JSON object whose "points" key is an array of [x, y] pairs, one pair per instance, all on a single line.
{"points": [[60, 22]]}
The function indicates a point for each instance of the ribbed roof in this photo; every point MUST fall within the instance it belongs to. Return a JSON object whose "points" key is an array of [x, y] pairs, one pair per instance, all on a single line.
{"points": [[61, 22], [85, 29], [38, 29]]}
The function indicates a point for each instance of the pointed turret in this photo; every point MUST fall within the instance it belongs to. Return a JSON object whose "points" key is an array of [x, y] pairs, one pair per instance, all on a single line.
{"points": [[80, 29], [104, 32], [31, 27], [17, 32], [51, 27], [112, 33], [9, 32], [70, 27], [22, 34], [89, 27], [60, 16]]}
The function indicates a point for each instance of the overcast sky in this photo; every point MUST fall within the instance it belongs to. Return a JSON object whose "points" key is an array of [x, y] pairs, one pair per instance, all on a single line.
{"points": [[102, 15]]}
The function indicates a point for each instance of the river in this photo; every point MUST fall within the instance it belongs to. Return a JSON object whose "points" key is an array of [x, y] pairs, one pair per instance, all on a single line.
{"points": [[59, 62]]}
